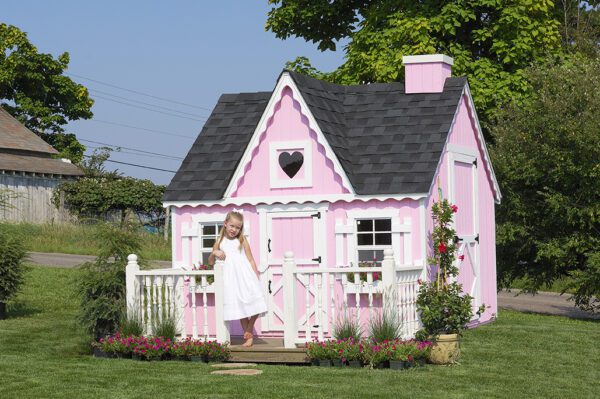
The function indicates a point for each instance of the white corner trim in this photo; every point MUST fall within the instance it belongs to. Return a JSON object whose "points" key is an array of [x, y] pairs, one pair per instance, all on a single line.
{"points": [[460, 150], [306, 147], [486, 155], [429, 58], [285, 80]]}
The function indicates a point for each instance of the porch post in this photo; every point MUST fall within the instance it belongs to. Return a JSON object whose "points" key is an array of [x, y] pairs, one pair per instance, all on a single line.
{"points": [[222, 325], [290, 327], [131, 286], [388, 277]]}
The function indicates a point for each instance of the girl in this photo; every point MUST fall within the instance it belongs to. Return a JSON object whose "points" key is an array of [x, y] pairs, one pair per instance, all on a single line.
{"points": [[244, 299]]}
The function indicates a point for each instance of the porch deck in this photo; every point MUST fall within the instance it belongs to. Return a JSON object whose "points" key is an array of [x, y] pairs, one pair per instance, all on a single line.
{"points": [[266, 350]]}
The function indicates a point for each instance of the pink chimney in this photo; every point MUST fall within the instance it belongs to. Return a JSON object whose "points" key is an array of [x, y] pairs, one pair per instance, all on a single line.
{"points": [[426, 73]]}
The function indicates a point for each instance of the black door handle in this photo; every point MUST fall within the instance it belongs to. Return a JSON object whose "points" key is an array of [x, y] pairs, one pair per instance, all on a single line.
{"points": [[318, 259], [269, 245], [270, 287]]}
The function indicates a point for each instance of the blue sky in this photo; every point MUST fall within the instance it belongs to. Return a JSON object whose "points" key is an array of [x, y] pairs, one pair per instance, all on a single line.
{"points": [[189, 52]]}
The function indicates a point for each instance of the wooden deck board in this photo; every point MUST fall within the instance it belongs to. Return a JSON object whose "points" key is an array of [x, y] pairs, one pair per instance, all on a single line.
{"points": [[266, 350]]}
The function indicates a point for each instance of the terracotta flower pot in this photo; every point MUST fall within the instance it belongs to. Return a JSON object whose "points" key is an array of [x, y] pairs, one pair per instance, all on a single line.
{"points": [[445, 349]]}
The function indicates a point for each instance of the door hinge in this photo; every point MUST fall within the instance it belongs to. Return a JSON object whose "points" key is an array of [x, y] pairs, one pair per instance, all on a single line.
{"points": [[318, 259], [475, 162], [316, 215], [477, 238], [270, 287], [457, 239], [269, 245]]}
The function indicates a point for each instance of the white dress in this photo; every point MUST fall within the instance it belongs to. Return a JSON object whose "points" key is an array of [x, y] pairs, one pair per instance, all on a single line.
{"points": [[243, 295]]}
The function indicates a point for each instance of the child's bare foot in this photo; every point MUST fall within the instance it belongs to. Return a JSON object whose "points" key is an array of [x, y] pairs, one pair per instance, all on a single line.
{"points": [[247, 335], [249, 340]]}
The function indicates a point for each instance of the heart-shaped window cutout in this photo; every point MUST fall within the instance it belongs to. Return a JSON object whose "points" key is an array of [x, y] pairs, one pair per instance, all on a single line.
{"points": [[291, 163]]}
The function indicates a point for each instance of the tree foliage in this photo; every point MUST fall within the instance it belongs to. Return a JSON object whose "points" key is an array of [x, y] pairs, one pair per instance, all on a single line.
{"points": [[102, 195], [547, 160], [34, 89], [491, 41], [12, 253]]}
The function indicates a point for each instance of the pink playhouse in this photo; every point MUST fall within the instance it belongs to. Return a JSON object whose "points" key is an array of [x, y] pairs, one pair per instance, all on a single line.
{"points": [[336, 185]]}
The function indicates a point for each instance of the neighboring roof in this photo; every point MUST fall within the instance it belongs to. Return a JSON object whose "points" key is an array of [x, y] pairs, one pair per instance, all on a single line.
{"points": [[15, 136], [387, 142], [37, 164]]}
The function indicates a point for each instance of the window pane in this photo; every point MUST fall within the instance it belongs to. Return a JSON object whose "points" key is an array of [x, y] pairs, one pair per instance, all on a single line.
{"points": [[208, 242], [383, 239], [209, 230], [365, 239], [378, 256], [383, 225], [205, 256], [365, 255], [364, 225]]}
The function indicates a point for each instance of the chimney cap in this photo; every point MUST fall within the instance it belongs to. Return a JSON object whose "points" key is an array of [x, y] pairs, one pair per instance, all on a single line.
{"points": [[429, 58]]}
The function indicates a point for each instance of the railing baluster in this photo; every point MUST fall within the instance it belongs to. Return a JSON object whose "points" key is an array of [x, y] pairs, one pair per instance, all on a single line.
{"points": [[148, 285], [331, 321], [319, 307], [158, 287], [357, 284], [370, 297], [204, 285], [307, 329], [194, 316]]}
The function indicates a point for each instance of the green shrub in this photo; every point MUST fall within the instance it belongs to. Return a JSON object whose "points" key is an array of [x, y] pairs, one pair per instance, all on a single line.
{"points": [[101, 284], [385, 326], [131, 325], [12, 253], [347, 326], [166, 327]]}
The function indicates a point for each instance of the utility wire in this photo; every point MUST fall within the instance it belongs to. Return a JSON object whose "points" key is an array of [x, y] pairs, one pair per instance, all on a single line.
{"points": [[141, 128], [137, 92], [149, 109], [118, 149], [128, 148], [145, 103], [139, 166]]}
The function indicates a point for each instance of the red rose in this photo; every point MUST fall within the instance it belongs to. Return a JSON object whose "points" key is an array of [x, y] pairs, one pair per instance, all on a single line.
{"points": [[454, 208], [462, 257], [442, 248]]}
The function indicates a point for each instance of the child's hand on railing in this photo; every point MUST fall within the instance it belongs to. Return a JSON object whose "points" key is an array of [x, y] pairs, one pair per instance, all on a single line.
{"points": [[220, 255]]}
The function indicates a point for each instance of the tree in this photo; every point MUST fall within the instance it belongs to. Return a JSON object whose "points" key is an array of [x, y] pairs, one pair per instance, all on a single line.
{"points": [[34, 89], [547, 160], [491, 41]]}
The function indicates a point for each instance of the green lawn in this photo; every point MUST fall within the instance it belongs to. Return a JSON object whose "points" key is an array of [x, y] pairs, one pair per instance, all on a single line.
{"points": [[79, 239], [520, 355]]}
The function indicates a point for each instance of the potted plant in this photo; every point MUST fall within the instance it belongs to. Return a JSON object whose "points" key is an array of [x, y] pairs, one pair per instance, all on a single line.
{"points": [[217, 352], [319, 353], [352, 352], [445, 310], [398, 355], [378, 354], [197, 351]]}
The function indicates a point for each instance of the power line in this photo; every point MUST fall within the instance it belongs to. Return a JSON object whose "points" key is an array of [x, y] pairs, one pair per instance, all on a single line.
{"points": [[128, 148], [141, 128], [149, 109], [145, 103], [137, 92], [136, 165], [118, 149]]}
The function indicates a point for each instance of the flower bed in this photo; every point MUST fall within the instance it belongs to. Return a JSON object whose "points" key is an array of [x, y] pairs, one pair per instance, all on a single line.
{"points": [[348, 352], [158, 348]]}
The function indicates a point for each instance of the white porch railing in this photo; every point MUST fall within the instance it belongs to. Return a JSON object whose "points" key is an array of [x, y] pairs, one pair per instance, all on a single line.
{"points": [[153, 295], [331, 289]]}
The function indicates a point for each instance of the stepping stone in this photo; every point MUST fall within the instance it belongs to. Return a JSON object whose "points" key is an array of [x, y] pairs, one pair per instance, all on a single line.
{"points": [[238, 372], [232, 365]]}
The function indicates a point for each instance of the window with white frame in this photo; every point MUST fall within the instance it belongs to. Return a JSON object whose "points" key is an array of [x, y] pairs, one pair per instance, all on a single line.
{"points": [[208, 236], [373, 236]]}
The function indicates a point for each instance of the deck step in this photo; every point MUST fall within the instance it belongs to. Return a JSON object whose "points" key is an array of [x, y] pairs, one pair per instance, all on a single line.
{"points": [[266, 350]]}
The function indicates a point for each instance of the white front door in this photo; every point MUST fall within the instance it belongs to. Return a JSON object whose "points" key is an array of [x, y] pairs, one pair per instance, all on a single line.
{"points": [[300, 232]]}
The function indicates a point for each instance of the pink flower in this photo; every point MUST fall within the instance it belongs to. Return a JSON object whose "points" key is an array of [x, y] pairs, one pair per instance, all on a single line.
{"points": [[419, 281], [462, 257], [454, 208]]}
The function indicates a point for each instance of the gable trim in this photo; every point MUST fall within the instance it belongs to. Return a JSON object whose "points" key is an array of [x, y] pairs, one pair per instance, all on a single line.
{"points": [[479, 138], [285, 80]]}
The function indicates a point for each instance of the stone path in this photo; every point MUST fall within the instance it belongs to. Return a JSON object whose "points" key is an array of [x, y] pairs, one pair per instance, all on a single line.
{"points": [[232, 365], [238, 372]]}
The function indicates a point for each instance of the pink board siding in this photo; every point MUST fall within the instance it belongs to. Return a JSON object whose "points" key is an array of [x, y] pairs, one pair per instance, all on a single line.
{"points": [[463, 134], [288, 123]]}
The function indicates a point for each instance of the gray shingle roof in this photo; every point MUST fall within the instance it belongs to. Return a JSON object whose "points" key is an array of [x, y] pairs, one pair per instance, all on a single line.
{"points": [[387, 142]]}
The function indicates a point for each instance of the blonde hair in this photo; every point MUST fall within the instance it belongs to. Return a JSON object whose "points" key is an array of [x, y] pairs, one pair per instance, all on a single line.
{"points": [[240, 235]]}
